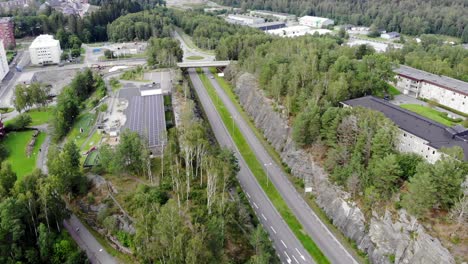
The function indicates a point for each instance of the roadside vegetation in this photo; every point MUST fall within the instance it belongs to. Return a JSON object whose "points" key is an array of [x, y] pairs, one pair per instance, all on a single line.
{"points": [[259, 173]]}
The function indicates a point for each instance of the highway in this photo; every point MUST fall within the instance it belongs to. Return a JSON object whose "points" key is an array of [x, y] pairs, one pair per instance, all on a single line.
{"points": [[314, 227], [288, 247]]}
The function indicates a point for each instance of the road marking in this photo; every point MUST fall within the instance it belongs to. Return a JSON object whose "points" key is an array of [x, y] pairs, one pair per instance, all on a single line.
{"points": [[295, 258], [289, 259], [248, 194], [284, 244], [264, 217], [274, 231], [302, 256], [256, 206]]}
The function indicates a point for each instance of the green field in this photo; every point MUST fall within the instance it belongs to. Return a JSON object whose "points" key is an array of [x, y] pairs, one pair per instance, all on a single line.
{"points": [[16, 143], [429, 113], [257, 170], [86, 122], [40, 116]]}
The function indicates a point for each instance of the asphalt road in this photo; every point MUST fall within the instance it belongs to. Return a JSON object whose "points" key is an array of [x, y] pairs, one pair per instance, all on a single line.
{"points": [[87, 242], [288, 247], [189, 52], [314, 227]]}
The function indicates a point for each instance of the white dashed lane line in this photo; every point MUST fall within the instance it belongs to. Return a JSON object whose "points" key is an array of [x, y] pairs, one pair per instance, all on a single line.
{"points": [[264, 217], [282, 242], [256, 206], [274, 231]]}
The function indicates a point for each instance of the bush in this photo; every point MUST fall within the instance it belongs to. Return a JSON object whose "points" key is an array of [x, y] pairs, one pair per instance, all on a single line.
{"points": [[103, 108], [18, 123]]}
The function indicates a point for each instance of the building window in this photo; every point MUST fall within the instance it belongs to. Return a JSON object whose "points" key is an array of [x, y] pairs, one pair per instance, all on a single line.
{"points": [[433, 152], [404, 134]]}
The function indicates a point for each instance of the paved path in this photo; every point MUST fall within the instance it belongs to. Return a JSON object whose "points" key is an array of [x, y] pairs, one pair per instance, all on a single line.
{"points": [[87, 242], [288, 247], [312, 225]]}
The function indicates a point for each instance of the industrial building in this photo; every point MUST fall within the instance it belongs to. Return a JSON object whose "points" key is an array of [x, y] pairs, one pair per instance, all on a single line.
{"points": [[3, 61], [269, 25], [315, 22], [45, 50], [7, 32], [442, 89], [390, 35], [417, 134], [275, 15], [146, 114], [297, 31], [244, 20]]}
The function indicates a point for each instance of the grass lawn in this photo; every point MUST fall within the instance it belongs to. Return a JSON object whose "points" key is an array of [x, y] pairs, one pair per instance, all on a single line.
{"points": [[393, 91], [4, 110], [257, 170], [16, 143], [428, 113], [309, 199], [40, 116], [195, 58], [86, 122]]}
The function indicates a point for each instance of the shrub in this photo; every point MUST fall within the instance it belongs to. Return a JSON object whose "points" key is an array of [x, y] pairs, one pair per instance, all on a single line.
{"points": [[18, 123]]}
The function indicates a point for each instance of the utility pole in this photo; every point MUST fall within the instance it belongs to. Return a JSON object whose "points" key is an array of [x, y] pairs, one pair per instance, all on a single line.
{"points": [[266, 169]]}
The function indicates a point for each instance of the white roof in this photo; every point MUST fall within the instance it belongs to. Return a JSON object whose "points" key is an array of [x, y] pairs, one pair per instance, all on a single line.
{"points": [[314, 18], [44, 41]]}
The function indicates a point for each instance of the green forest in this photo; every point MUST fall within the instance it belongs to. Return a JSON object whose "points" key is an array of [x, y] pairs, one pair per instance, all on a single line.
{"points": [[412, 17]]}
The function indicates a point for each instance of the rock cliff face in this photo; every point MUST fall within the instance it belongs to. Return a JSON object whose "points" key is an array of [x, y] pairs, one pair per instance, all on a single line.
{"points": [[385, 241]]}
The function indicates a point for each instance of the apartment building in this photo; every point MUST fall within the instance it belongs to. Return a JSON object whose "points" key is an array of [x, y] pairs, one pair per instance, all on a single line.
{"points": [[45, 50], [417, 134], [445, 90], [7, 32], [3, 61]]}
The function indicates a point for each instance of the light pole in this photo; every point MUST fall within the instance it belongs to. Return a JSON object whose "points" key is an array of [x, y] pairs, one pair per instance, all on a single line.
{"points": [[232, 125], [266, 169]]}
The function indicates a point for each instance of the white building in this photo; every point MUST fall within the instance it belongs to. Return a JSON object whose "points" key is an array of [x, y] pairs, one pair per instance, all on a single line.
{"points": [[269, 14], [417, 134], [45, 50], [297, 31], [445, 90], [244, 20], [390, 35], [316, 22], [3, 61]]}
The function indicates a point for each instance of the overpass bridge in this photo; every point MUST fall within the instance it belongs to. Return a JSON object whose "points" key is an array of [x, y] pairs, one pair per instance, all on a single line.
{"points": [[200, 64]]}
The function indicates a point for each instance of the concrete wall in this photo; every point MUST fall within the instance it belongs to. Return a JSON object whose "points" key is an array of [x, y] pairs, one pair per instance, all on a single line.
{"points": [[3, 61], [408, 142], [430, 91], [45, 55], [444, 96]]}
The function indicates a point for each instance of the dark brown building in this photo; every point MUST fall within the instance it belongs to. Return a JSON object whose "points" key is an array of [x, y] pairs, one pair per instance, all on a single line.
{"points": [[7, 32]]}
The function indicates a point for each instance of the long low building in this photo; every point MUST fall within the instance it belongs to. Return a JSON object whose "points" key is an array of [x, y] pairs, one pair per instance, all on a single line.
{"points": [[445, 90], [3, 61], [146, 115], [269, 14], [418, 134], [244, 20], [297, 31], [269, 25], [316, 22]]}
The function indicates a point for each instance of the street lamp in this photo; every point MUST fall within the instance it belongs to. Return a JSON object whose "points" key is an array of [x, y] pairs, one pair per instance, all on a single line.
{"points": [[266, 169]]}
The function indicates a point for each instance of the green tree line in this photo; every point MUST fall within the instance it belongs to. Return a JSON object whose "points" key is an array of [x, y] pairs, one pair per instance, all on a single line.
{"points": [[32, 211], [193, 212], [70, 100]]}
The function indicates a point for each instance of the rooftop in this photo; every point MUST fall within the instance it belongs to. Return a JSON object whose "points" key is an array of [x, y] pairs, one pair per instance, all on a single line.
{"points": [[145, 114], [315, 18], [272, 13], [44, 41], [242, 16], [5, 19], [439, 80], [268, 24], [435, 134]]}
